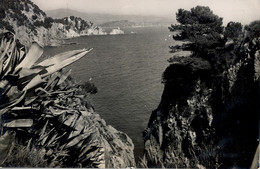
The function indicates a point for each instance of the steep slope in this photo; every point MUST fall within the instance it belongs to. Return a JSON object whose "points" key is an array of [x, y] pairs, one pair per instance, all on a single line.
{"points": [[206, 119], [31, 24]]}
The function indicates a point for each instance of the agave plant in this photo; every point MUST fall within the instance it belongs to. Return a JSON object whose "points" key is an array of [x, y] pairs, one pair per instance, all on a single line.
{"points": [[38, 104]]}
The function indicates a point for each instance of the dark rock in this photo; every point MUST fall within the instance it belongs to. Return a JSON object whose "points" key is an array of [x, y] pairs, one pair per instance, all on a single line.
{"points": [[206, 119]]}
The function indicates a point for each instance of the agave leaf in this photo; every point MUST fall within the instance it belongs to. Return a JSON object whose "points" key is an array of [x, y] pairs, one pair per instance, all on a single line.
{"points": [[64, 77], [3, 40], [22, 54], [1, 67], [57, 138], [4, 86], [21, 108], [24, 72], [34, 82], [28, 145], [80, 143], [63, 91], [71, 120], [60, 57], [87, 146], [19, 123], [76, 140], [15, 102], [39, 89], [43, 129], [93, 151], [44, 136], [29, 100], [13, 93], [11, 58], [43, 140], [64, 63], [60, 107], [15, 59], [85, 113], [5, 51], [52, 82], [160, 135], [255, 162], [32, 56], [6, 146], [96, 155], [3, 111], [56, 112], [52, 140]]}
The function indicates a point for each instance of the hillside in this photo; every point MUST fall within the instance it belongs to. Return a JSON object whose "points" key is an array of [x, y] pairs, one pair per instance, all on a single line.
{"points": [[104, 18], [30, 23]]}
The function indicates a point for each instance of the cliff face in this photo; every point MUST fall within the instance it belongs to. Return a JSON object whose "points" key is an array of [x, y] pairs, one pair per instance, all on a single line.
{"points": [[31, 24], [206, 120]]}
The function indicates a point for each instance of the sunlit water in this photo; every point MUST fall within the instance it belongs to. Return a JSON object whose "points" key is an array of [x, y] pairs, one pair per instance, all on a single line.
{"points": [[127, 70]]}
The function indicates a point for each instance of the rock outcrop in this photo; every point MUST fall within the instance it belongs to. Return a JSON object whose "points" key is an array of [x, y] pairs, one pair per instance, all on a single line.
{"points": [[206, 119], [31, 24], [117, 31]]}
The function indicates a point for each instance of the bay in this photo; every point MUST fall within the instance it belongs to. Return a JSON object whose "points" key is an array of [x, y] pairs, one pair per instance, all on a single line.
{"points": [[127, 71]]}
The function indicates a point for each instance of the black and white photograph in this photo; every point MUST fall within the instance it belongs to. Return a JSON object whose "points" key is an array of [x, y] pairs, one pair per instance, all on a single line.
{"points": [[130, 84]]}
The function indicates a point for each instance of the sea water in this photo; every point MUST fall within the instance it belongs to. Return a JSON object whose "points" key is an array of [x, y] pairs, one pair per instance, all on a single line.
{"points": [[127, 71]]}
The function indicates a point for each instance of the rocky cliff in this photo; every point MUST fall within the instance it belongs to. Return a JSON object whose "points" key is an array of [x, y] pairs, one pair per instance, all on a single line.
{"points": [[207, 119], [30, 24]]}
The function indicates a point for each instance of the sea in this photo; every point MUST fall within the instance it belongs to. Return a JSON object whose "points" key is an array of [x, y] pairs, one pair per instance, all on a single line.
{"points": [[127, 70]]}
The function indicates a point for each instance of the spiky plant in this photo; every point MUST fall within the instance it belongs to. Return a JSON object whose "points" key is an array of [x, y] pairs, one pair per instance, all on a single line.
{"points": [[40, 106]]}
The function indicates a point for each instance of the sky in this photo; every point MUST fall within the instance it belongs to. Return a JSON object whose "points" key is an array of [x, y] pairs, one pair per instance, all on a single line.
{"points": [[243, 11]]}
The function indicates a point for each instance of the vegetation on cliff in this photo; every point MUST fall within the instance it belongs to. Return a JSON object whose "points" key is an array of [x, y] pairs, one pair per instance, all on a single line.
{"points": [[30, 23], [16, 10], [208, 114], [46, 118]]}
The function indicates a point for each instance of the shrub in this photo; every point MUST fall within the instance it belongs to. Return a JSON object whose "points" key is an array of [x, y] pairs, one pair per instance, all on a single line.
{"points": [[34, 17], [89, 87], [253, 29], [233, 30]]}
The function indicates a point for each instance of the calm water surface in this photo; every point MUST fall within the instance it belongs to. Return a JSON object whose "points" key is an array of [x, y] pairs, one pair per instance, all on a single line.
{"points": [[127, 70]]}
